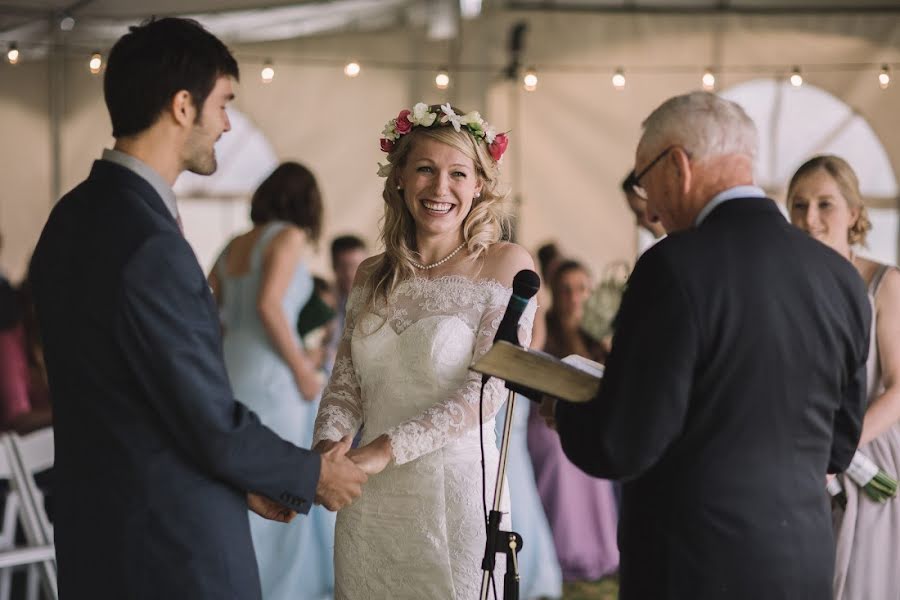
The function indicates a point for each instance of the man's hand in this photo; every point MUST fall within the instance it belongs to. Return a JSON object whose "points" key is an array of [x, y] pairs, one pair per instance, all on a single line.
{"points": [[269, 509], [548, 411], [340, 480], [324, 446], [374, 456]]}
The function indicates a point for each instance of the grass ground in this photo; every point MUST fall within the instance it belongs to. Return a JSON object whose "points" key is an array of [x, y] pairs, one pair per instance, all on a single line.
{"points": [[605, 589]]}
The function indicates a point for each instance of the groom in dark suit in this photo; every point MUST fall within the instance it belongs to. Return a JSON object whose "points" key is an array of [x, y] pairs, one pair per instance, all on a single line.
{"points": [[736, 378], [156, 462]]}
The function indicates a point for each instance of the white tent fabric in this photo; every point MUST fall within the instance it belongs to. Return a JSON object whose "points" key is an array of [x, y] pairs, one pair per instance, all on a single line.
{"points": [[795, 123], [244, 156]]}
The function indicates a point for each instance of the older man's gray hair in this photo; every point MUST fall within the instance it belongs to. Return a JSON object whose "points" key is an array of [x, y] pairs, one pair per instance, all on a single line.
{"points": [[704, 124]]}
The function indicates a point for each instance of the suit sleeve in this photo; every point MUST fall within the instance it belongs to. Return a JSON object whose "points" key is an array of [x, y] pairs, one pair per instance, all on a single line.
{"points": [[641, 407], [169, 333], [848, 419]]}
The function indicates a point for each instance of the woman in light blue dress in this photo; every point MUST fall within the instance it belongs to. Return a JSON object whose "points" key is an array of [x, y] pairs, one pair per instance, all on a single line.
{"points": [[541, 576], [261, 284]]}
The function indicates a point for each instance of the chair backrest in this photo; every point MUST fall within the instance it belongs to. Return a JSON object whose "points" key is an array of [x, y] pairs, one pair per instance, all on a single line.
{"points": [[25, 457], [36, 450], [34, 453]]}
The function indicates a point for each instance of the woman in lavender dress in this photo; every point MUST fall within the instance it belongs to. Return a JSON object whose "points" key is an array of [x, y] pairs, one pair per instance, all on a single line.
{"points": [[580, 508], [824, 200]]}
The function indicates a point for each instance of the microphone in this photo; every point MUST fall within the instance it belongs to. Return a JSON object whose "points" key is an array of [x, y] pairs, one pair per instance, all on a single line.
{"points": [[525, 285]]}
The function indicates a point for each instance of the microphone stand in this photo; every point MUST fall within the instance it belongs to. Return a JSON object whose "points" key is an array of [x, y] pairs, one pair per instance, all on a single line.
{"points": [[498, 541]]}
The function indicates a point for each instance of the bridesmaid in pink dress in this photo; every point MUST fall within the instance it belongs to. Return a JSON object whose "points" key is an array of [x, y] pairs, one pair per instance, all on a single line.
{"points": [[580, 508]]}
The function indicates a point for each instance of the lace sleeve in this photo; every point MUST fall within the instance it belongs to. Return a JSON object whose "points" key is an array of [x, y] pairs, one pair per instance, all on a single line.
{"points": [[452, 417], [340, 412]]}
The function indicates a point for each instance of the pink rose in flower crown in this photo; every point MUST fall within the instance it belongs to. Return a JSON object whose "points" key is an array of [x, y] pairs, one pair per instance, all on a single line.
{"points": [[386, 145], [498, 146], [404, 125]]}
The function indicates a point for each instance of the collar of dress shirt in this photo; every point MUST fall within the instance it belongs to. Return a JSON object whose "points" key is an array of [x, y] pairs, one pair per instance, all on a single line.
{"points": [[146, 172], [738, 191]]}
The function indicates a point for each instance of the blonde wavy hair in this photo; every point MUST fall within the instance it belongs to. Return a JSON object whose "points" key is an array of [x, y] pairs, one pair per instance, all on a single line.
{"points": [[484, 226], [847, 182]]}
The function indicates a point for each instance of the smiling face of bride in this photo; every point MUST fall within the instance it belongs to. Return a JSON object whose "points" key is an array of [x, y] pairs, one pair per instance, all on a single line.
{"points": [[439, 185]]}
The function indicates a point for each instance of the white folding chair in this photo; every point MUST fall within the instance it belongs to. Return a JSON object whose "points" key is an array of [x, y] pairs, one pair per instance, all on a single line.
{"points": [[24, 457]]}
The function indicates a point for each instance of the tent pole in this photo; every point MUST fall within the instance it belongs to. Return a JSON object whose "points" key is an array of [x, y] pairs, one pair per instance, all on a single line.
{"points": [[56, 93]]}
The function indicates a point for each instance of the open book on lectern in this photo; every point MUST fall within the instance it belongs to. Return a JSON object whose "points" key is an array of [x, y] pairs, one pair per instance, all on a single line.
{"points": [[574, 378]]}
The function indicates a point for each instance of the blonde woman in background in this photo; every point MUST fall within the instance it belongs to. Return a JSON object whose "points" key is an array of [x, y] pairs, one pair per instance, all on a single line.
{"points": [[824, 200]]}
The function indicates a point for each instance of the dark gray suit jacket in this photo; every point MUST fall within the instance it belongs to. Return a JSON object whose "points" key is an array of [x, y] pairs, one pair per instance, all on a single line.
{"points": [[153, 454], [736, 379]]}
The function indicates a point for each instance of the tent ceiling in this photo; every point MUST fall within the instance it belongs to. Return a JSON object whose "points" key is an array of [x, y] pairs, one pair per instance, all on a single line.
{"points": [[23, 14], [33, 24], [708, 5]]}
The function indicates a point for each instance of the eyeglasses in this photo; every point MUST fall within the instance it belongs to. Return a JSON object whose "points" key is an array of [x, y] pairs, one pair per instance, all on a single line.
{"points": [[634, 180]]}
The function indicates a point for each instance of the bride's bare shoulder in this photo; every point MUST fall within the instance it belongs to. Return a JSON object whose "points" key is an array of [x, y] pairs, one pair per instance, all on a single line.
{"points": [[503, 260]]}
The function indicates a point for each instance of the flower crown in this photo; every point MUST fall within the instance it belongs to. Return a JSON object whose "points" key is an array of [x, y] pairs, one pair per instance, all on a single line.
{"points": [[421, 115]]}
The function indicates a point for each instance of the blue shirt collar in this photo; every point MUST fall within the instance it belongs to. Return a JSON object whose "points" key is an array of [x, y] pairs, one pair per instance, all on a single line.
{"points": [[739, 191]]}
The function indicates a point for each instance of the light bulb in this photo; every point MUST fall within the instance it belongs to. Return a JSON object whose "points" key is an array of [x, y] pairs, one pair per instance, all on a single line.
{"points": [[352, 69], [96, 63], [12, 55], [268, 72], [618, 80], [708, 80], [67, 23], [796, 77], [530, 80], [442, 79], [884, 78]]}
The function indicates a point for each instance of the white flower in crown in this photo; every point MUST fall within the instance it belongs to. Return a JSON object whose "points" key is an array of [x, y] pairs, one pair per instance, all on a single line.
{"points": [[472, 118], [390, 130], [489, 134], [451, 117], [421, 115]]}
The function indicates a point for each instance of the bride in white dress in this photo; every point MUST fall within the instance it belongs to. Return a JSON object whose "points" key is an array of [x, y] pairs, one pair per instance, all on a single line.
{"points": [[417, 318]]}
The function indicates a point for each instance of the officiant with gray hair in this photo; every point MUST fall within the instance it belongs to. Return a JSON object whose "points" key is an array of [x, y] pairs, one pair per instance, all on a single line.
{"points": [[736, 379]]}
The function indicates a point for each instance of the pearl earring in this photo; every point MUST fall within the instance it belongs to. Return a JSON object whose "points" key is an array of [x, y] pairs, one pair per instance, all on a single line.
{"points": [[477, 195]]}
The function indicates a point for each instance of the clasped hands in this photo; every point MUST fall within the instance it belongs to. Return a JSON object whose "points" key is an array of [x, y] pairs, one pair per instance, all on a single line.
{"points": [[342, 475], [344, 471], [340, 482]]}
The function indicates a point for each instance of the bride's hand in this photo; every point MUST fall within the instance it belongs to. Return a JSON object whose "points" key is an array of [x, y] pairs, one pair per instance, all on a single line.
{"points": [[374, 456]]}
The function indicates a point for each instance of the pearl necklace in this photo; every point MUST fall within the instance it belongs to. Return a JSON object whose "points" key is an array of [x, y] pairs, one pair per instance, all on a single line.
{"points": [[440, 262]]}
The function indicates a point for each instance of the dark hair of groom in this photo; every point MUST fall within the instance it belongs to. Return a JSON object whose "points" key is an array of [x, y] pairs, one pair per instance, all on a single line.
{"points": [[154, 61]]}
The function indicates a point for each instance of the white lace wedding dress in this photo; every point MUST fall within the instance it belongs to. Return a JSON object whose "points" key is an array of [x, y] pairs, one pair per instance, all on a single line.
{"points": [[417, 531]]}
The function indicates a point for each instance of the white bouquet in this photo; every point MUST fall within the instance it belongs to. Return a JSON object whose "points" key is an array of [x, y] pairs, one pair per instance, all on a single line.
{"points": [[876, 483]]}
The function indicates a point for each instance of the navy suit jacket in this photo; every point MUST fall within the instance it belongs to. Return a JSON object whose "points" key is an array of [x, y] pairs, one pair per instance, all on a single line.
{"points": [[154, 456], [736, 379]]}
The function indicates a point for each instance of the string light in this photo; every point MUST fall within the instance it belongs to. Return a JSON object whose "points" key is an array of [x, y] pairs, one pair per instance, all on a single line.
{"points": [[530, 80], [268, 72], [352, 69], [884, 77], [618, 79], [96, 63], [442, 79], [12, 55], [796, 77], [708, 80], [67, 23]]}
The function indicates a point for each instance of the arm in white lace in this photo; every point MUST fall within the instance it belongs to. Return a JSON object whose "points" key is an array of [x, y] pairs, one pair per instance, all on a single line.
{"points": [[453, 416], [340, 412]]}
